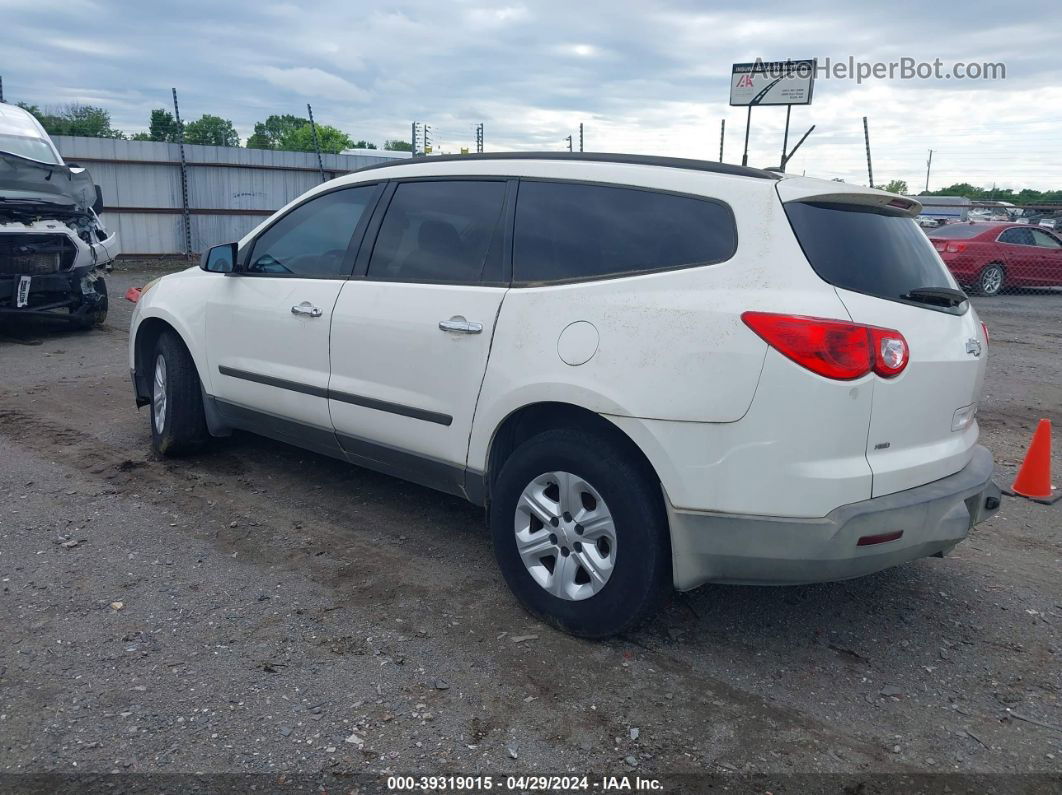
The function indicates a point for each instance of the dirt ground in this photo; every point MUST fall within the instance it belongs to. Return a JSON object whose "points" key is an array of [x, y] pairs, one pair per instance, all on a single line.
{"points": [[259, 609]]}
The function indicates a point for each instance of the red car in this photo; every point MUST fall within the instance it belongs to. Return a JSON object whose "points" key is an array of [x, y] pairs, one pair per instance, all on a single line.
{"points": [[992, 257]]}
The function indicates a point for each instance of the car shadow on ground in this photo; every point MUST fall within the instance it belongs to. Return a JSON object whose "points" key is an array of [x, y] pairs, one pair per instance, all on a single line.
{"points": [[849, 619], [39, 330]]}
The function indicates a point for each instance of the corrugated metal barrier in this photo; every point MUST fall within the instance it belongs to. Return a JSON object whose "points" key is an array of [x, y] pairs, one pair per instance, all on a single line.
{"points": [[230, 190]]}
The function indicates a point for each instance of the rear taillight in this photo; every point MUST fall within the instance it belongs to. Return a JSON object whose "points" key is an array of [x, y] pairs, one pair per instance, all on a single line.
{"points": [[940, 245], [835, 349], [955, 248], [984, 328]]}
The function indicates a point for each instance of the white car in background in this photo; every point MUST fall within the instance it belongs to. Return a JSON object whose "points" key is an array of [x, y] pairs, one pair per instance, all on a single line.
{"points": [[654, 373], [54, 249]]}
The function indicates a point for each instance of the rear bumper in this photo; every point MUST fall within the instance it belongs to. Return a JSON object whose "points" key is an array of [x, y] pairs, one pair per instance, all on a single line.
{"points": [[768, 550]]}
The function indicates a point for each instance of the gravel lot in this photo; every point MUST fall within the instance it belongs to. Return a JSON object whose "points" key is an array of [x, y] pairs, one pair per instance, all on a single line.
{"points": [[259, 609]]}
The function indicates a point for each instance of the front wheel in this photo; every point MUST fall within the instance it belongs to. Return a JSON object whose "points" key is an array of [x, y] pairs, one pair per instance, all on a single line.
{"points": [[98, 316], [178, 425], [990, 280], [580, 533]]}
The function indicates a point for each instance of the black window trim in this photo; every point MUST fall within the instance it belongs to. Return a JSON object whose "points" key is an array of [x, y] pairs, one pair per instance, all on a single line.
{"points": [[353, 245], [621, 274], [505, 222]]}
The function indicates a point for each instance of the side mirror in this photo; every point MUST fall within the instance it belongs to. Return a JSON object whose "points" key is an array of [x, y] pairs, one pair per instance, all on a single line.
{"points": [[220, 259], [97, 206]]}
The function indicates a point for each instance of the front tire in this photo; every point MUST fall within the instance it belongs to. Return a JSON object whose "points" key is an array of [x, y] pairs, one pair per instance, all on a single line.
{"points": [[98, 316], [580, 533], [178, 424], [991, 280]]}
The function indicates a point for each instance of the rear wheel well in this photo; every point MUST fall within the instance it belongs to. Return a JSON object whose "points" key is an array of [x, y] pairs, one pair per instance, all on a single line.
{"points": [[536, 418]]}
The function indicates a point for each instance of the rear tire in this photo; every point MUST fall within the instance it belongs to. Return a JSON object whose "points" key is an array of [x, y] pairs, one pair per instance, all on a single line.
{"points": [[625, 540], [178, 424], [991, 280]]}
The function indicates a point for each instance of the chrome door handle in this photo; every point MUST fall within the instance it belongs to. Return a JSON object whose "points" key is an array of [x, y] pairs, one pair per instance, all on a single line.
{"points": [[306, 308], [458, 325]]}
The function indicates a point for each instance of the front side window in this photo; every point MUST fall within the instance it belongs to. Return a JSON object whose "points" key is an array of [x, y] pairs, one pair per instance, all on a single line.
{"points": [[1044, 240], [572, 231], [312, 240], [441, 232]]}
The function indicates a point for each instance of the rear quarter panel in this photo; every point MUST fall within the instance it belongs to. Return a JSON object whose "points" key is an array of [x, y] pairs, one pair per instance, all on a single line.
{"points": [[671, 344]]}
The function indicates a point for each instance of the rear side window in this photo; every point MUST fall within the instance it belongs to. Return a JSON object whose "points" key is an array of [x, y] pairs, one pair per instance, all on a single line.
{"points": [[569, 231], [865, 249], [1019, 237], [441, 231]]}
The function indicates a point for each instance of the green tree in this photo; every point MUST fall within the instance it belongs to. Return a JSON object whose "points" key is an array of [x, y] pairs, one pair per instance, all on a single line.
{"points": [[211, 130], [75, 119], [363, 145], [162, 126], [398, 146], [329, 138], [268, 134], [896, 186]]}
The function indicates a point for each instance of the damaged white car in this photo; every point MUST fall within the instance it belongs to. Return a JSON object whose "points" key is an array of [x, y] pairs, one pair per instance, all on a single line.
{"points": [[54, 249]]}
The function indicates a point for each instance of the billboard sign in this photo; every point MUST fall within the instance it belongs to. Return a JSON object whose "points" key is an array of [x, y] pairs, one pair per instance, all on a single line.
{"points": [[772, 83]]}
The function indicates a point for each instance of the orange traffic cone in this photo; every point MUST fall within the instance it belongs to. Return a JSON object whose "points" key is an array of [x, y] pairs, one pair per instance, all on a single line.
{"points": [[1034, 477]]}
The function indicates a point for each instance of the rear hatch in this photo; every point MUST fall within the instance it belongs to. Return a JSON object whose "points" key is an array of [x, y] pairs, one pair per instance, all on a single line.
{"points": [[887, 274]]}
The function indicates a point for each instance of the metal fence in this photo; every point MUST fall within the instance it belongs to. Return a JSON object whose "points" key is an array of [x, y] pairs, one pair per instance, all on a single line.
{"points": [[230, 190]]}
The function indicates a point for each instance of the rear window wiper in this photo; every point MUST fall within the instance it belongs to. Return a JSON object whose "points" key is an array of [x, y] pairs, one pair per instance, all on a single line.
{"points": [[936, 296]]}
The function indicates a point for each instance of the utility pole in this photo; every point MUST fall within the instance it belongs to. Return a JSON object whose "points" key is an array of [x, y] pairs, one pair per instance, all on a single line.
{"points": [[184, 178], [1, 88], [316, 144], [580, 136], [413, 140], [479, 138], [569, 140], [722, 135], [866, 138], [929, 163], [748, 123]]}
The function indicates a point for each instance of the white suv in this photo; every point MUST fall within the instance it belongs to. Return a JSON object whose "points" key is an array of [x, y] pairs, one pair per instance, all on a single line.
{"points": [[652, 372]]}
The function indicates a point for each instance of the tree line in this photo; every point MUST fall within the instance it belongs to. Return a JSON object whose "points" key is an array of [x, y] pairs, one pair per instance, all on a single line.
{"points": [[974, 193], [282, 132]]}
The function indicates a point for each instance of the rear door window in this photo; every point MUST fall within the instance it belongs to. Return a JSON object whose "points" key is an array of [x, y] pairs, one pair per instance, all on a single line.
{"points": [[866, 249], [441, 231], [1018, 237], [573, 231]]}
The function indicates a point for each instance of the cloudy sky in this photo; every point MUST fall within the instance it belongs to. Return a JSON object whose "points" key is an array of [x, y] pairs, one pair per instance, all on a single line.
{"points": [[647, 77]]}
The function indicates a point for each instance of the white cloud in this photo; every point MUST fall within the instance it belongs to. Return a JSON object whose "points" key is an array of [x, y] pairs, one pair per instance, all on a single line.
{"points": [[314, 82]]}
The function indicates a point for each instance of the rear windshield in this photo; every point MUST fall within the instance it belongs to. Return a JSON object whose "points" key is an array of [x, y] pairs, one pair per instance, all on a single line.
{"points": [[957, 231], [866, 249]]}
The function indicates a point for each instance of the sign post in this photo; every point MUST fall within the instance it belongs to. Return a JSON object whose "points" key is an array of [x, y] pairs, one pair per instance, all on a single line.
{"points": [[771, 83]]}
